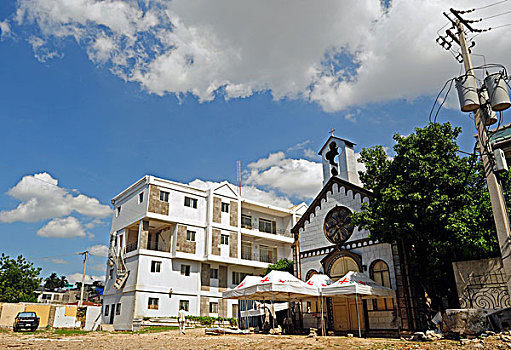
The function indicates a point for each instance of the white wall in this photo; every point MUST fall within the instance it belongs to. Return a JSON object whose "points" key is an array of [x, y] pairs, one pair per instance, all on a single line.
{"points": [[131, 209], [178, 212], [312, 235], [124, 321], [167, 305]]}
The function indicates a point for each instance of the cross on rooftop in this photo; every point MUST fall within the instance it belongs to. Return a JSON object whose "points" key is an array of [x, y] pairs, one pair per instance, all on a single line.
{"points": [[331, 132]]}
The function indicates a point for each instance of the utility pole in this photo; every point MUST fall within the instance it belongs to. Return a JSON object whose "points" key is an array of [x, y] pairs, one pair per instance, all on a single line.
{"points": [[85, 253], [498, 203]]}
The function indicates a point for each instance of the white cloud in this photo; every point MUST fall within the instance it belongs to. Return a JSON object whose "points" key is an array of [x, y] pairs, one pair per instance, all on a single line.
{"points": [[98, 267], [42, 199], [300, 145], [299, 178], [59, 261], [77, 277], [99, 250], [310, 153], [269, 197], [62, 228], [5, 29], [334, 53]]}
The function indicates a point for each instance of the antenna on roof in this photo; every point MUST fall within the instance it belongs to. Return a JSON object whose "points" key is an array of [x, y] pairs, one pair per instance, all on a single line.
{"points": [[238, 175]]}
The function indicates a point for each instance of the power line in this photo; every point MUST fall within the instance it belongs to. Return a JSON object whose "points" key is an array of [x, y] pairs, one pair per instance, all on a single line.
{"points": [[484, 7], [500, 14]]}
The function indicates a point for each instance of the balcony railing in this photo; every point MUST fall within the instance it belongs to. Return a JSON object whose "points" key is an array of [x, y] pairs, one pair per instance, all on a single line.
{"points": [[263, 227], [155, 245], [131, 247], [264, 259]]}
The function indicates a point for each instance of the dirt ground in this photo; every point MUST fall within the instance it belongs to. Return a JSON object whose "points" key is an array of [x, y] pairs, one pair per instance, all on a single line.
{"points": [[197, 339]]}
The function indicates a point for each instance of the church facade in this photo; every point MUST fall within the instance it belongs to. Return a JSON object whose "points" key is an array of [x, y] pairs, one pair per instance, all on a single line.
{"points": [[327, 243]]}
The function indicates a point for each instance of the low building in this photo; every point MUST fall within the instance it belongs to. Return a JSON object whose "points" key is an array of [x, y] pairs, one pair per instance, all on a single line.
{"points": [[176, 246], [327, 243]]}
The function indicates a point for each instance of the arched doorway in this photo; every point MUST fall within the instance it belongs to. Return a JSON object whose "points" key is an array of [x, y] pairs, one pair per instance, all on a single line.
{"points": [[342, 266], [344, 309]]}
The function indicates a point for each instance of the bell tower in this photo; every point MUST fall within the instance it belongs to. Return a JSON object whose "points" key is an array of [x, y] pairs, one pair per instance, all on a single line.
{"points": [[338, 159]]}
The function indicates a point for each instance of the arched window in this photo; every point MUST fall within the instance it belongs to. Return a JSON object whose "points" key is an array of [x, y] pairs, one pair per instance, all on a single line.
{"points": [[310, 273], [342, 266], [379, 272]]}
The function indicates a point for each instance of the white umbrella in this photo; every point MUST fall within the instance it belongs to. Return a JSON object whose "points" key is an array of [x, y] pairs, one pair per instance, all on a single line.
{"points": [[357, 283], [277, 286], [319, 281], [239, 292]]}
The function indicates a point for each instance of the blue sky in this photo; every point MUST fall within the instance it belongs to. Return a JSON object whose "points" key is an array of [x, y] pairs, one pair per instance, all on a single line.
{"points": [[84, 112]]}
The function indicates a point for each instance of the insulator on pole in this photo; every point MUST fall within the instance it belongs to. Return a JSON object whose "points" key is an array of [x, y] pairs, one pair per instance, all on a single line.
{"points": [[467, 92], [497, 91]]}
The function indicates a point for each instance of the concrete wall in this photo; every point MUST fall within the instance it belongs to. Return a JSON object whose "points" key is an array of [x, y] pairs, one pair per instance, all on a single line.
{"points": [[9, 312], [92, 317], [65, 317], [42, 311]]}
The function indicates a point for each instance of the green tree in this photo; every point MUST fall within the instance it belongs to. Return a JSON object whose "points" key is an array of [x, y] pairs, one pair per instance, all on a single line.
{"points": [[53, 281], [431, 200], [18, 279], [281, 265]]}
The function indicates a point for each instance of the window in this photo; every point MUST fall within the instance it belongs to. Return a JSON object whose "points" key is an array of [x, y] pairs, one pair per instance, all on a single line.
{"points": [[56, 297], [155, 266], [140, 197], [234, 311], [213, 273], [379, 272], [111, 273], [190, 236], [152, 304], [164, 196], [107, 309], [225, 207], [267, 254], [213, 308], [46, 297], [246, 250], [118, 309], [118, 211], [191, 202], [246, 221], [224, 239], [184, 305], [237, 277], [267, 226], [185, 270]]}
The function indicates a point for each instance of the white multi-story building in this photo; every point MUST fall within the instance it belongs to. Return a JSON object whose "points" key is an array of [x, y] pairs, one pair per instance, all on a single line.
{"points": [[174, 245]]}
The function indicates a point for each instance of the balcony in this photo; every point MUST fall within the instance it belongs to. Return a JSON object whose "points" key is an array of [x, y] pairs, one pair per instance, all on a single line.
{"points": [[131, 247], [156, 245], [265, 227], [265, 255]]}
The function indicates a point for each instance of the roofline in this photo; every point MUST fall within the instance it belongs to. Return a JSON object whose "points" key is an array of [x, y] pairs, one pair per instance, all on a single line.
{"points": [[322, 194], [269, 206], [148, 179], [348, 142]]}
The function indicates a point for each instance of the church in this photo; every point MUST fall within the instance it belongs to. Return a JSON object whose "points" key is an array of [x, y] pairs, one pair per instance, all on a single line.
{"points": [[327, 243]]}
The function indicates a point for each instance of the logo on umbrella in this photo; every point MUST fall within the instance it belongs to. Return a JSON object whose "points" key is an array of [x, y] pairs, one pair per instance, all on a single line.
{"points": [[267, 279]]}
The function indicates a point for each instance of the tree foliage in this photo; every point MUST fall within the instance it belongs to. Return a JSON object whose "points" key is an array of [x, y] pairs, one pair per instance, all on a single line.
{"points": [[281, 265], [18, 279], [54, 282], [432, 200]]}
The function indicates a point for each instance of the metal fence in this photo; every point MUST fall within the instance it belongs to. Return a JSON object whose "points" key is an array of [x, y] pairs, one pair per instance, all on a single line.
{"points": [[486, 291]]}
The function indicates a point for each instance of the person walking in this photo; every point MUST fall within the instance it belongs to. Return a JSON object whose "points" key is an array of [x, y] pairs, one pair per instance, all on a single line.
{"points": [[181, 318]]}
